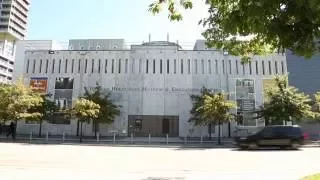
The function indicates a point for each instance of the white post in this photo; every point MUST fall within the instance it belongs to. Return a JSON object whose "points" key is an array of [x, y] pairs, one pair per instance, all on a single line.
{"points": [[167, 139], [132, 138], [98, 136], [201, 140], [30, 138], [114, 137], [185, 140], [47, 136], [149, 138], [63, 137]]}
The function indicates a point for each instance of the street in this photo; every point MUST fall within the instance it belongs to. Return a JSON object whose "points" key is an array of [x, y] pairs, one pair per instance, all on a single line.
{"points": [[52, 162]]}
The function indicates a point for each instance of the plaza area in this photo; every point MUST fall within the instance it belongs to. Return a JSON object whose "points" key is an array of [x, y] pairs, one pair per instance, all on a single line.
{"points": [[82, 162]]}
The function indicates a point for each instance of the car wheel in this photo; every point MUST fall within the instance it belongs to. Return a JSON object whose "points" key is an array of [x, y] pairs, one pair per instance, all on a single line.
{"points": [[295, 145], [253, 146]]}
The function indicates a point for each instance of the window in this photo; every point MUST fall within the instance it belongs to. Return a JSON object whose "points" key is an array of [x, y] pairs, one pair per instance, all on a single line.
{"points": [[230, 68], [86, 66], [119, 68], [270, 67], [209, 66], [147, 66], [40, 67], [53, 62], [140, 65], [237, 66], [92, 66], [282, 67], [47, 64], [112, 66], [133, 65], [243, 69], [105, 66], [34, 66], [79, 66], [202, 66], [276, 66], [257, 68], [126, 66], [99, 66], [189, 66], [168, 67], [181, 66], [223, 68], [154, 66], [216, 64], [59, 70], [195, 66], [175, 66], [250, 68], [72, 66], [263, 71], [160, 66], [66, 67]]}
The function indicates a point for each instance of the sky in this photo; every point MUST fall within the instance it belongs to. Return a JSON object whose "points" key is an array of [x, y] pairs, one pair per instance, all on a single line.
{"points": [[62, 20]]}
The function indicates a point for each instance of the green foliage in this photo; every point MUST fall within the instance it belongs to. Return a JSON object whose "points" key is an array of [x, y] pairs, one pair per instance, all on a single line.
{"points": [[210, 108], [286, 103], [267, 26], [85, 109], [46, 108]]}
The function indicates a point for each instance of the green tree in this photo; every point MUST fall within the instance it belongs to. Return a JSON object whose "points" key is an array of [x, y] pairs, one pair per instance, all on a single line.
{"points": [[211, 108], [85, 110], [286, 103], [108, 110], [266, 25]]}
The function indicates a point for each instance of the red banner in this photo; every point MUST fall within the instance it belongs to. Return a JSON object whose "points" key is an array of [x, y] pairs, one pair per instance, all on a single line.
{"points": [[39, 84]]}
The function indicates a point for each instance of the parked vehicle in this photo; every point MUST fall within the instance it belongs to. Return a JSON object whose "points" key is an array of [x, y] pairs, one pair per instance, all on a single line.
{"points": [[273, 136]]}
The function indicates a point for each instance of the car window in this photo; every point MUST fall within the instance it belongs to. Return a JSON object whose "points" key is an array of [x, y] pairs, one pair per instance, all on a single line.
{"points": [[282, 130], [267, 131]]}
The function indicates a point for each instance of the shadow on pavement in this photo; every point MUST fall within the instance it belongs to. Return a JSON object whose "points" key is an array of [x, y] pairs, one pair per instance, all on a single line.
{"points": [[266, 149]]}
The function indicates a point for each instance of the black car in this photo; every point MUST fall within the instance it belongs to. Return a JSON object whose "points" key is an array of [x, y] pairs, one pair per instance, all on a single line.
{"points": [[273, 136]]}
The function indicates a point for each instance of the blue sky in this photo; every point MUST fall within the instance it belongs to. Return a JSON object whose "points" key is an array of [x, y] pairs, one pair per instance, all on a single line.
{"points": [[127, 19]]}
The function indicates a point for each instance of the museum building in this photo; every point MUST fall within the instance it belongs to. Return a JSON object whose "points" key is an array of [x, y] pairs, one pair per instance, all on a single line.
{"points": [[152, 82]]}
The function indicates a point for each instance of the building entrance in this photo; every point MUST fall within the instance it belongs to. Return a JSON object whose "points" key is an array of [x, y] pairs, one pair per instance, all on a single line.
{"points": [[157, 126]]}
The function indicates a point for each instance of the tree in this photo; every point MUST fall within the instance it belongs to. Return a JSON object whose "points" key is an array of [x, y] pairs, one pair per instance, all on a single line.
{"points": [[211, 108], [85, 110], [286, 103], [108, 110], [251, 27], [46, 109]]}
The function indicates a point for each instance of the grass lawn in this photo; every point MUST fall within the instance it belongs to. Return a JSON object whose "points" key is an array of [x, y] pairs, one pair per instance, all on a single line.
{"points": [[312, 177]]}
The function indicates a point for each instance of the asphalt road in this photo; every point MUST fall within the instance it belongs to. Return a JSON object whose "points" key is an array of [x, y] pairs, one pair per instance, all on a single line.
{"points": [[52, 162]]}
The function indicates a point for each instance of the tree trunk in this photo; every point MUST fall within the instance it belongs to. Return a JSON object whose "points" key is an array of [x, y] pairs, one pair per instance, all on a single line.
{"points": [[219, 134], [96, 126], [78, 124], [210, 131], [40, 127], [81, 131]]}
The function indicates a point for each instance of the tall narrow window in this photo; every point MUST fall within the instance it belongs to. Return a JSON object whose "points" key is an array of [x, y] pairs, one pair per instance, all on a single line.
{"points": [[40, 67], [86, 66], [92, 66], [140, 65], [66, 67], [119, 69], [250, 68], [72, 66], [47, 65], [160, 66], [230, 67], [79, 66], [282, 67], [223, 68], [270, 72], [243, 69], [133, 65], [59, 70], [263, 69], [106, 66], [209, 66], [237, 66], [189, 66], [202, 66], [276, 66], [34, 66], [147, 66], [28, 63], [99, 66], [175, 66], [195, 66], [168, 66], [181, 66], [126, 66], [53, 62], [154, 66], [257, 68], [112, 66], [216, 65]]}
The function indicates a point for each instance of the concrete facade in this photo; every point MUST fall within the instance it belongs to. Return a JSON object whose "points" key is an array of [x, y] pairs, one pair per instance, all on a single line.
{"points": [[155, 78]]}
